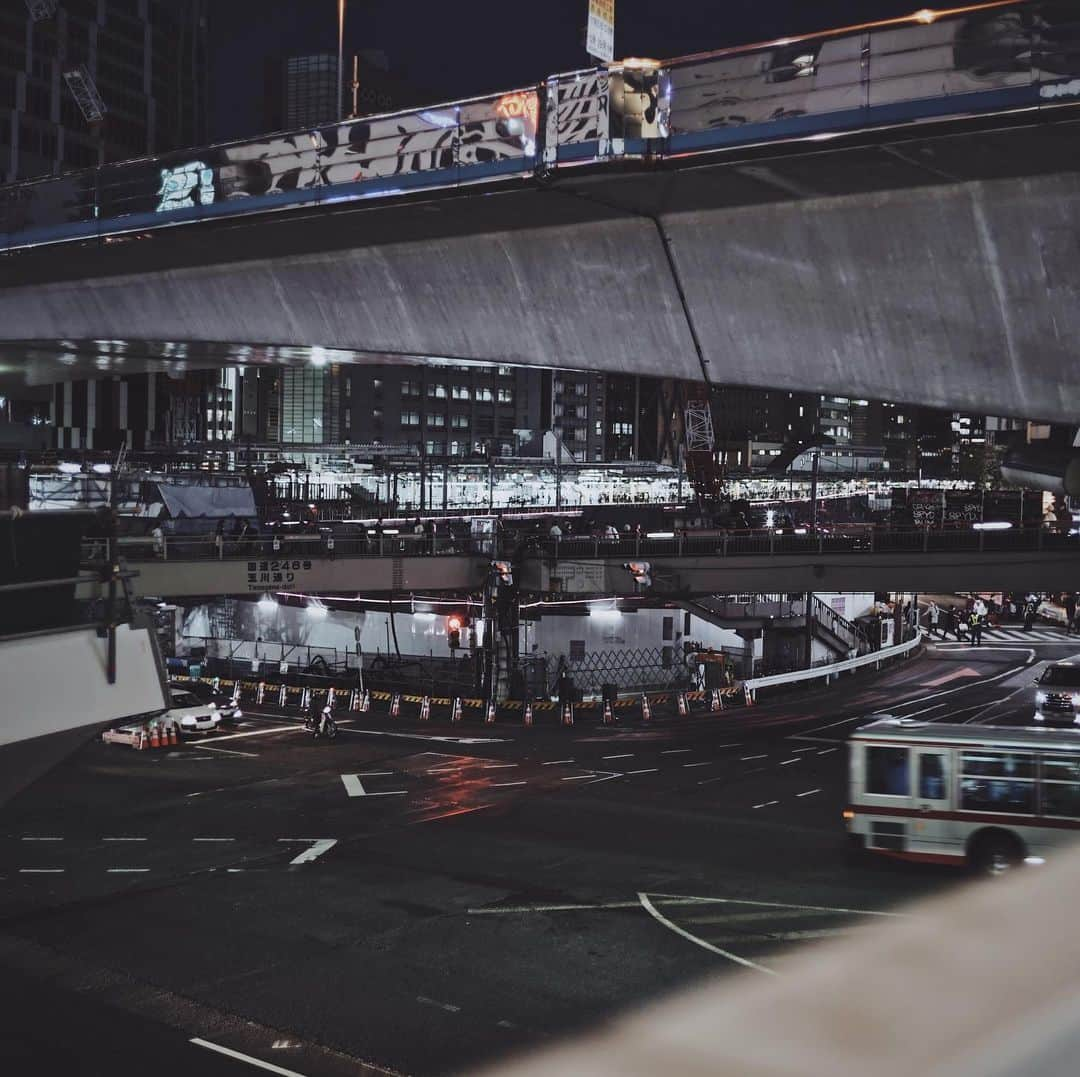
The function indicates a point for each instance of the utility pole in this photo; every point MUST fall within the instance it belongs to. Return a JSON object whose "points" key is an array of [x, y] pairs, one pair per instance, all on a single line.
{"points": [[340, 56]]}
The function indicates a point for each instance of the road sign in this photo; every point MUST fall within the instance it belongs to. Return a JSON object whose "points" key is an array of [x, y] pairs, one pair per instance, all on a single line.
{"points": [[600, 39]]}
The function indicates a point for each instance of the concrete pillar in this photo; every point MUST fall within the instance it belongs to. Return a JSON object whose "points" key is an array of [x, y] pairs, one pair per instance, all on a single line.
{"points": [[746, 661]]}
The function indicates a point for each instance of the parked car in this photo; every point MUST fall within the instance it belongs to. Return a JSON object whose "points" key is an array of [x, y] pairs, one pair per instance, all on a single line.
{"points": [[227, 710], [1057, 694], [190, 713]]}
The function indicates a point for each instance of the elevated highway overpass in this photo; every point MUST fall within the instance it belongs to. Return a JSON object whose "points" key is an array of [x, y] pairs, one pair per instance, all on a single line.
{"points": [[887, 211], [683, 567]]}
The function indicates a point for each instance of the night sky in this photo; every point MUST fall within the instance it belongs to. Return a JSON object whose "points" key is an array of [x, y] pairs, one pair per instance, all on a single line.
{"points": [[480, 46]]}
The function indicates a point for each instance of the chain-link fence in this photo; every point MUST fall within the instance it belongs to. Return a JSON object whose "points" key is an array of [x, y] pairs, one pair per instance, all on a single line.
{"points": [[644, 669]]}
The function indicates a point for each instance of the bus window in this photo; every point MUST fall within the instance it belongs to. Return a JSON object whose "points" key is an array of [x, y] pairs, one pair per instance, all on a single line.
{"points": [[932, 780], [998, 781], [887, 772], [1061, 786]]}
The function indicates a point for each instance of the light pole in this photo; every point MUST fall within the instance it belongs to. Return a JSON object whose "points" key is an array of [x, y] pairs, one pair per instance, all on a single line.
{"points": [[340, 56]]}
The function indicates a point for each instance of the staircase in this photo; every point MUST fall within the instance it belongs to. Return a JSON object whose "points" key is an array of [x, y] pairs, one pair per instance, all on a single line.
{"points": [[836, 631]]}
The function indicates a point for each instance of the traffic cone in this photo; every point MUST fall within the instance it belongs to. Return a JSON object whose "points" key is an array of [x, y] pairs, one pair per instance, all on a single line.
{"points": [[425, 709], [174, 738], [455, 710], [681, 701], [609, 717], [489, 718], [716, 701], [568, 714], [395, 705], [365, 702], [155, 737], [646, 710], [528, 713]]}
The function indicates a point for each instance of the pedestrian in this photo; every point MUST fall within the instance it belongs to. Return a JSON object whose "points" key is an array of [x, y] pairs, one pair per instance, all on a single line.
{"points": [[556, 531], [1029, 615], [976, 629], [159, 540], [1070, 611], [934, 613]]}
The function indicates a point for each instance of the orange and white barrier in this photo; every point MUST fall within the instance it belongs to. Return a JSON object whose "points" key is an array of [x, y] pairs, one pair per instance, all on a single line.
{"points": [[455, 710], [568, 714], [236, 692], [489, 717], [646, 709], [395, 705], [330, 696], [680, 699], [528, 713], [305, 700], [609, 715], [365, 702], [425, 709], [281, 696]]}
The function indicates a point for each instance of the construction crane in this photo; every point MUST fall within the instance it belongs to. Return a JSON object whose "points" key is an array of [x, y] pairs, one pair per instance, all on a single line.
{"points": [[700, 449]]}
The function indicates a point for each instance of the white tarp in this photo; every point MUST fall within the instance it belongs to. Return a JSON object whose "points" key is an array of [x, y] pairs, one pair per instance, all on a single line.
{"points": [[181, 500]]}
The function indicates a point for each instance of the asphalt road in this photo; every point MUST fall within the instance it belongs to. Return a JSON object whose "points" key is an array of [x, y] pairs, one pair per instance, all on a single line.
{"points": [[421, 898]]}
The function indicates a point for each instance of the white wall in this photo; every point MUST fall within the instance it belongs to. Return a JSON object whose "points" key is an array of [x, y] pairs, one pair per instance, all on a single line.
{"points": [[57, 682]]}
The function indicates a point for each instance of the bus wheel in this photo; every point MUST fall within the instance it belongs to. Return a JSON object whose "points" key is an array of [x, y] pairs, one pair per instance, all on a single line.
{"points": [[996, 853]]}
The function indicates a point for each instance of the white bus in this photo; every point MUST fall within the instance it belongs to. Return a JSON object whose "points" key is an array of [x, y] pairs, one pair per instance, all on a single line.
{"points": [[987, 796]]}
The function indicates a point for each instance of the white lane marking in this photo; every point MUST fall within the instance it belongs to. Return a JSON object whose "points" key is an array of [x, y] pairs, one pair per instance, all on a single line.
{"points": [[504, 785], [676, 751], [555, 762], [810, 749], [123, 839], [505, 1024], [449, 1007], [646, 770], [767, 804], [747, 758], [926, 710], [41, 839], [691, 899], [353, 786], [213, 839], [421, 736], [41, 871], [621, 755], [707, 763], [825, 751], [268, 1066], [954, 675], [318, 847], [444, 770], [673, 900], [497, 766], [228, 751], [577, 777], [253, 733], [126, 871], [789, 936], [785, 762], [655, 913], [808, 793], [377, 773]]}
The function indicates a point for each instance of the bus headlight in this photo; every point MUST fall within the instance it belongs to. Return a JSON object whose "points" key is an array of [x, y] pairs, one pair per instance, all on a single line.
{"points": [[1040, 697]]}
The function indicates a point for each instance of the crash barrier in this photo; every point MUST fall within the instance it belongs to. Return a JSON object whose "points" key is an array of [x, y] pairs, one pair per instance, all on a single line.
{"points": [[427, 707], [831, 671]]}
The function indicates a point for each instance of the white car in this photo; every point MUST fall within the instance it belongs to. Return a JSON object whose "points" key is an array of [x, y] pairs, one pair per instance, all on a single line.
{"points": [[190, 713]]}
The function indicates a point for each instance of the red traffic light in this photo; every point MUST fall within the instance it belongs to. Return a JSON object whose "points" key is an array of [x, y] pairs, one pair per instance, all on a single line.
{"points": [[453, 623]]}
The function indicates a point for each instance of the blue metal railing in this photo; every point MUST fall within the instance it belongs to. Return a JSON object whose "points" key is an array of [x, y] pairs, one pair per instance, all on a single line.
{"points": [[982, 59]]}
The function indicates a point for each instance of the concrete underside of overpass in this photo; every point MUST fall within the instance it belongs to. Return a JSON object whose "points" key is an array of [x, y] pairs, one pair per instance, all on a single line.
{"points": [[683, 577], [931, 265]]}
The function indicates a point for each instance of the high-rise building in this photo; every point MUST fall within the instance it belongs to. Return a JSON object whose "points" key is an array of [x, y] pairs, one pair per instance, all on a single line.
{"points": [[145, 58]]}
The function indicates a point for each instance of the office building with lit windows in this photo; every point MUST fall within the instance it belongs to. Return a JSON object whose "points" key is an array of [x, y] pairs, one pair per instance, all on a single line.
{"points": [[145, 58]]}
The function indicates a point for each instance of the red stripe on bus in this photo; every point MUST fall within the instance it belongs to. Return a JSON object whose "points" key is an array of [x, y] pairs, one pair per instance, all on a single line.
{"points": [[970, 817], [922, 858]]}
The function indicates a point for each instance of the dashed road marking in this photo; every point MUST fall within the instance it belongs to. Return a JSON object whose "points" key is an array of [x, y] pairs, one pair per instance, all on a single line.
{"points": [[556, 762], [747, 758], [498, 766], [318, 847], [127, 871], [810, 749], [41, 839], [808, 793], [825, 751], [41, 871], [645, 770], [577, 777], [707, 763], [213, 839], [449, 1007], [123, 839], [230, 1053], [504, 785], [621, 755], [377, 773], [767, 804], [225, 751], [676, 751], [785, 762]]}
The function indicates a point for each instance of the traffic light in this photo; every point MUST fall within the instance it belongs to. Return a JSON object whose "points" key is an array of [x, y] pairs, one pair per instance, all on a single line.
{"points": [[505, 571], [453, 631]]}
